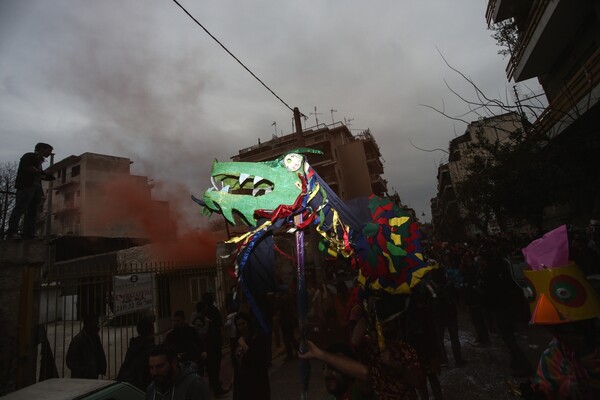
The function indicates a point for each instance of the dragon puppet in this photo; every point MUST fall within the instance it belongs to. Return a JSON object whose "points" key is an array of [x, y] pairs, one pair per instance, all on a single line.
{"points": [[379, 237]]}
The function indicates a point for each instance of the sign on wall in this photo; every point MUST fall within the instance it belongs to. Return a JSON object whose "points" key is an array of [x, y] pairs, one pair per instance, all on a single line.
{"points": [[132, 293]]}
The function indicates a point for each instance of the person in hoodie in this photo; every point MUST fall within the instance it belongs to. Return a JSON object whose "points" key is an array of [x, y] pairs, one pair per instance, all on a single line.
{"points": [[85, 356], [135, 366], [173, 380]]}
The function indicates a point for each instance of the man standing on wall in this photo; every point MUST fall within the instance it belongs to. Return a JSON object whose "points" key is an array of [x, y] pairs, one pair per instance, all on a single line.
{"points": [[29, 191]]}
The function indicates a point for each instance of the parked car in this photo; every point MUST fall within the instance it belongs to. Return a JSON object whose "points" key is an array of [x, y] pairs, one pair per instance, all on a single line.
{"points": [[76, 389]]}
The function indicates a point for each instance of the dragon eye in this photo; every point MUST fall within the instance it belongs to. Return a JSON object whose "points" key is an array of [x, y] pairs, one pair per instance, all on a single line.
{"points": [[292, 162], [567, 290]]}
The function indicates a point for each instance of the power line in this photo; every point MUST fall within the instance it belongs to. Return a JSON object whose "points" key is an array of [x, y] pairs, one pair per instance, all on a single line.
{"points": [[231, 54]]}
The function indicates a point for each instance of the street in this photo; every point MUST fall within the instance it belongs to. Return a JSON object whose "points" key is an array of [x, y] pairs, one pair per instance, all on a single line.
{"points": [[483, 378]]}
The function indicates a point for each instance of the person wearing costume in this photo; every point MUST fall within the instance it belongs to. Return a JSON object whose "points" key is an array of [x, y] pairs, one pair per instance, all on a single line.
{"points": [[390, 365], [562, 300]]}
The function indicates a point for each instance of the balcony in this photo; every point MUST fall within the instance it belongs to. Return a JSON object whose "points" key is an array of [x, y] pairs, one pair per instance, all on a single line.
{"points": [[576, 94], [500, 10], [550, 27], [378, 184], [71, 185]]}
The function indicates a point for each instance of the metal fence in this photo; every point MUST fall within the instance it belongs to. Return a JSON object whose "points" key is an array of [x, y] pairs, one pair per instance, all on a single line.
{"points": [[120, 295]]}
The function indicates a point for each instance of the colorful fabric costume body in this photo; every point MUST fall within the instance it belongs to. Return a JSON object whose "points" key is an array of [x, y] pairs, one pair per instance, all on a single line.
{"points": [[560, 373]]}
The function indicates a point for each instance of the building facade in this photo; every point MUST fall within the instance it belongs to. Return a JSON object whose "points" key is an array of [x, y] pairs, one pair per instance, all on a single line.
{"points": [[448, 214], [350, 164], [557, 42], [82, 202]]}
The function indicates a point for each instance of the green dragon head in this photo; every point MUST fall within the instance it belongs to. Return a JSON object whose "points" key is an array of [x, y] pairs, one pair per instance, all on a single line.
{"points": [[245, 187]]}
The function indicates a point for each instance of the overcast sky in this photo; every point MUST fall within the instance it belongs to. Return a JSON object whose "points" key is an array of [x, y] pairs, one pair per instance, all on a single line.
{"points": [[140, 79]]}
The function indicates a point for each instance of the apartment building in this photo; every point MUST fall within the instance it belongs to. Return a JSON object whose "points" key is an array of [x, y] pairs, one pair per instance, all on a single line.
{"points": [[558, 42], [82, 202], [350, 164], [447, 212]]}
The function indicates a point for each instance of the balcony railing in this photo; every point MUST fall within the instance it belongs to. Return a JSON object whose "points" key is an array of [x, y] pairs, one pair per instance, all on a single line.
{"points": [[489, 13], [533, 19], [574, 91]]}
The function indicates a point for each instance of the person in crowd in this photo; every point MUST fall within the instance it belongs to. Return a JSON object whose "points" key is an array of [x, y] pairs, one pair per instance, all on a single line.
{"points": [[232, 334], [85, 356], [323, 314], [472, 295], [391, 364], [503, 298], [135, 365], [267, 310], [199, 319], [421, 327], [584, 248], [345, 377], [251, 378], [570, 367], [446, 312], [184, 339], [28, 183], [200, 324], [171, 379], [214, 344], [288, 322]]}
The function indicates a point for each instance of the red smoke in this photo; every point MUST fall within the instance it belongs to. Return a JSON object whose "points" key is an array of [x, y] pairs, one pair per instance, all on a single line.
{"points": [[127, 202]]}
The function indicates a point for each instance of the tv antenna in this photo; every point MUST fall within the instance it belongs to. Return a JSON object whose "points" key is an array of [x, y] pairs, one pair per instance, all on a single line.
{"points": [[332, 111], [275, 125], [316, 114]]}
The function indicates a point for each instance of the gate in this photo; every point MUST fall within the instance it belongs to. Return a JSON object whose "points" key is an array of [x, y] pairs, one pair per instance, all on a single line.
{"points": [[120, 295]]}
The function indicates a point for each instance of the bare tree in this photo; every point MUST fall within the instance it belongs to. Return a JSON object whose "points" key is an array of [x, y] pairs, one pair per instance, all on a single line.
{"points": [[8, 174], [512, 178], [506, 34]]}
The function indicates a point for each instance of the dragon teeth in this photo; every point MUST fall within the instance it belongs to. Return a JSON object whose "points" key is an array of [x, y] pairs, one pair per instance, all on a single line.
{"points": [[255, 192], [243, 178], [225, 189], [257, 179], [212, 180]]}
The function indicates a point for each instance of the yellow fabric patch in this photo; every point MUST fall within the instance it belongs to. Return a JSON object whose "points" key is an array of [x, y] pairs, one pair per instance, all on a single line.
{"points": [[398, 221]]}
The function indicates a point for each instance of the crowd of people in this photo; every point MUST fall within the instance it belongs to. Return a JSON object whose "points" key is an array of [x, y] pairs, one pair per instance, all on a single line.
{"points": [[372, 345], [190, 351], [411, 330]]}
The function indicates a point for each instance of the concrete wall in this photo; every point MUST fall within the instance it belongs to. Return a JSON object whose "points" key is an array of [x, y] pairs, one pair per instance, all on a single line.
{"points": [[20, 266]]}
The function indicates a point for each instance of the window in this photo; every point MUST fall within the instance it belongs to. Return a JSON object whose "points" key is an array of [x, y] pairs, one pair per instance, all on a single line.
{"points": [[69, 199], [75, 170]]}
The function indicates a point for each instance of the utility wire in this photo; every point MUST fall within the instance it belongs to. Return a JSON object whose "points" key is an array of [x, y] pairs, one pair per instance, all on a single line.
{"points": [[231, 54]]}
